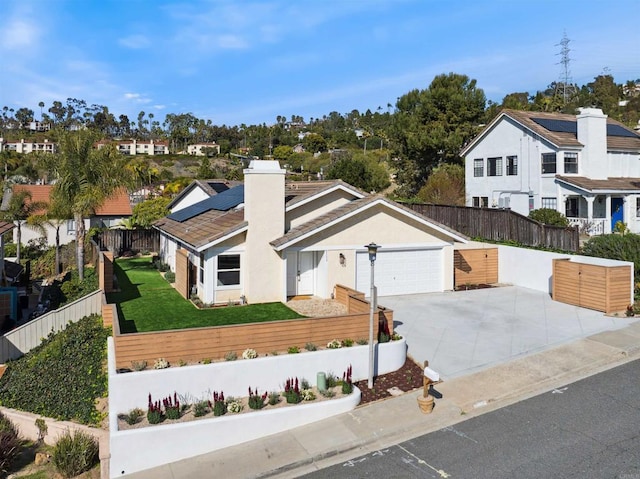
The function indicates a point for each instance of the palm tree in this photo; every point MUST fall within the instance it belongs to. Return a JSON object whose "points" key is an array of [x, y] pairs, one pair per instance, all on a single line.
{"points": [[55, 217], [84, 178], [19, 209]]}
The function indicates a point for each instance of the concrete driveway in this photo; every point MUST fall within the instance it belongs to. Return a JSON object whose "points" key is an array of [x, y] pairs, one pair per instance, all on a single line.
{"points": [[465, 331]]}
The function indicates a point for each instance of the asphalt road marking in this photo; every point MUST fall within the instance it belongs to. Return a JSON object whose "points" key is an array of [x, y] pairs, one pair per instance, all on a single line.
{"points": [[559, 390], [440, 472], [458, 433]]}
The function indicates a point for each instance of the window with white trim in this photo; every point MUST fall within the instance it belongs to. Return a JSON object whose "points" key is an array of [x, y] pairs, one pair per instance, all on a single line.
{"points": [[548, 163], [570, 162], [71, 227], [480, 201], [494, 166], [478, 167], [512, 165], [201, 267], [550, 203], [228, 270]]}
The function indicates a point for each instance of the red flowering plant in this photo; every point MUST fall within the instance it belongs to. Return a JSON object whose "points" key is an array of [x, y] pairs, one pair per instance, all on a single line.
{"points": [[256, 401], [172, 407], [219, 405], [347, 382], [292, 391], [154, 411]]}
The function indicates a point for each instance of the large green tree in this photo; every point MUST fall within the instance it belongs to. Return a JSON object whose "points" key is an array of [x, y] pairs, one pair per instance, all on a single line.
{"points": [[445, 186], [431, 126], [85, 177]]}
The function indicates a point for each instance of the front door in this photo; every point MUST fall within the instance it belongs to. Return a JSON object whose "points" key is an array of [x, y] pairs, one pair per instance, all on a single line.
{"points": [[305, 272], [617, 211], [300, 273]]}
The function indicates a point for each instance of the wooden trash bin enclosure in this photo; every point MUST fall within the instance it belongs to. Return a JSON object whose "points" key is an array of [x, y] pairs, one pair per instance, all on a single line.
{"points": [[592, 283], [475, 266]]}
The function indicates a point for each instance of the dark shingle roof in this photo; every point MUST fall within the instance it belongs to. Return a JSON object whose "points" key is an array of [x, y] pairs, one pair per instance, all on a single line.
{"points": [[204, 228], [624, 184]]}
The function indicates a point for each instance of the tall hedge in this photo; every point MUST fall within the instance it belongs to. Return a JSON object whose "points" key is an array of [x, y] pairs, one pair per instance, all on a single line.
{"points": [[63, 376], [615, 246]]}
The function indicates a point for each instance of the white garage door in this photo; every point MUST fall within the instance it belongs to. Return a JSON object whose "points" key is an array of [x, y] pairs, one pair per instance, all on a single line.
{"points": [[401, 272]]}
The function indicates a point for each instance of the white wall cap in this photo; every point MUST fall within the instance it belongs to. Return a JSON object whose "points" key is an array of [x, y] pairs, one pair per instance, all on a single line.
{"points": [[591, 112], [264, 166]]}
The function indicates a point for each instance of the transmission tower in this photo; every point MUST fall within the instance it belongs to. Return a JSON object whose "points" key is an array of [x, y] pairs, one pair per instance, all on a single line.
{"points": [[565, 87]]}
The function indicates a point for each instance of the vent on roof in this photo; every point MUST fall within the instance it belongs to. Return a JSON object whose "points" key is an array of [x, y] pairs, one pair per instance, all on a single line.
{"points": [[558, 126], [221, 202]]}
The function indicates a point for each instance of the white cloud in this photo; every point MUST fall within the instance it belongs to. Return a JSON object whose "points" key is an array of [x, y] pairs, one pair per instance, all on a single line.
{"points": [[137, 98], [18, 34], [135, 42]]}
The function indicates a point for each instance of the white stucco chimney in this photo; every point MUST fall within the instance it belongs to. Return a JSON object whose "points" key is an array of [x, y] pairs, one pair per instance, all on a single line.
{"points": [[592, 133], [264, 211]]}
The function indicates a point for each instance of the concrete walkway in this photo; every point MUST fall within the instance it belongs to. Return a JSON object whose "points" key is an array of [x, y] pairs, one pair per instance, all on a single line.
{"points": [[576, 342], [466, 331]]}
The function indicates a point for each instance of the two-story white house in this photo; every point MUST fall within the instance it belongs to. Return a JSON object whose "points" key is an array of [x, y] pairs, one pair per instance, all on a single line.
{"points": [[586, 166]]}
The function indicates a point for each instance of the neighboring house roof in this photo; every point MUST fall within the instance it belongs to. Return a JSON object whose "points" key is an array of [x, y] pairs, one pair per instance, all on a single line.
{"points": [[300, 192], [610, 184], [210, 187], [116, 205], [560, 129], [6, 227], [353, 207]]}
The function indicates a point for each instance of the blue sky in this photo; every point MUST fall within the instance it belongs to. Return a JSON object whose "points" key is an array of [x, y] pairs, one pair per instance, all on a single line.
{"points": [[237, 62]]}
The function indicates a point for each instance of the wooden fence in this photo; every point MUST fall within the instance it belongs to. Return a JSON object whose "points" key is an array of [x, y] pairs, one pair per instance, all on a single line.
{"points": [[23, 339], [501, 225], [197, 344], [118, 241]]}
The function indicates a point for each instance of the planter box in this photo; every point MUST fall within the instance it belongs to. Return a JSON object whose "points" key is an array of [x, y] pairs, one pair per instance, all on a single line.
{"points": [[593, 283], [166, 443]]}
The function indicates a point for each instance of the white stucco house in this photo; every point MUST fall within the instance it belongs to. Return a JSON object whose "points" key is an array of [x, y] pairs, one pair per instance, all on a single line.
{"points": [[586, 166], [268, 239]]}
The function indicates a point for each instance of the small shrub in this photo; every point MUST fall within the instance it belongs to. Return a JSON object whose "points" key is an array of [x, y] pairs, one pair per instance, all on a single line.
{"points": [[219, 404], [328, 393], [231, 356], [41, 424], [307, 395], [549, 216], [383, 338], [133, 416], [347, 384], [347, 343], [292, 391], [256, 401], [182, 363], [234, 406], [334, 344], [332, 380], [249, 354], [9, 450], [139, 365], [170, 276], [362, 341], [396, 337], [201, 408], [630, 311], [154, 412], [274, 398], [293, 350], [75, 453], [172, 407], [160, 363], [274, 353], [206, 361], [310, 347]]}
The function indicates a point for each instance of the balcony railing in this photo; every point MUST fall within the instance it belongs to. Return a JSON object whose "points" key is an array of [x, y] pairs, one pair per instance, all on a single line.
{"points": [[591, 227]]}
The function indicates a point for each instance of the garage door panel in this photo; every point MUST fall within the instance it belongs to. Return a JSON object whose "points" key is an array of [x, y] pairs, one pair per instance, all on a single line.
{"points": [[401, 272]]}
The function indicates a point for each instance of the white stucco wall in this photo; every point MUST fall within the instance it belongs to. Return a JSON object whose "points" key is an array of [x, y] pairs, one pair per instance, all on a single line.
{"points": [[319, 206], [191, 198]]}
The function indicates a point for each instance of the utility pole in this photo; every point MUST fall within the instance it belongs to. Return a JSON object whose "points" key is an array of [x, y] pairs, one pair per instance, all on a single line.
{"points": [[564, 87]]}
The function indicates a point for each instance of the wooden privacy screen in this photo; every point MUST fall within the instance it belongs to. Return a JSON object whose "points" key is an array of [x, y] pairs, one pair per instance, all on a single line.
{"points": [[475, 266], [603, 288]]}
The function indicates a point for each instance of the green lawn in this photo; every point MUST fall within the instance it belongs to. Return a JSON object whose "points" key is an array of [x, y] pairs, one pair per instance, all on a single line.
{"points": [[146, 302]]}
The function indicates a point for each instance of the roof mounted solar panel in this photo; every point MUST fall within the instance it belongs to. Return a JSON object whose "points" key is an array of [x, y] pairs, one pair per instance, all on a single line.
{"points": [[558, 126], [617, 130], [221, 202]]}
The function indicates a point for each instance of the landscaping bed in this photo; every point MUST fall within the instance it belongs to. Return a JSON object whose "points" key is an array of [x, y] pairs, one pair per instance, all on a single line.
{"points": [[407, 378]]}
